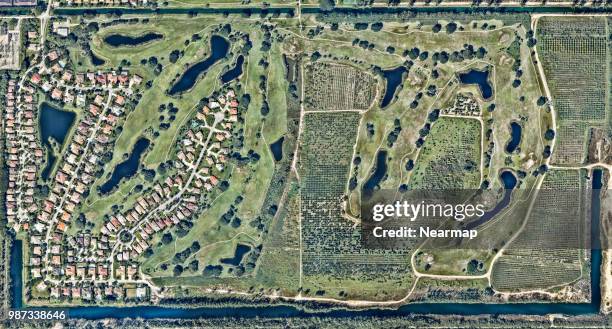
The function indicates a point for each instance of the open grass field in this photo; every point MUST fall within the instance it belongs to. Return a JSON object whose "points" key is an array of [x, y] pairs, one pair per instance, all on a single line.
{"points": [[507, 51], [398, 128], [144, 118], [450, 158], [279, 265], [315, 280], [216, 241]]}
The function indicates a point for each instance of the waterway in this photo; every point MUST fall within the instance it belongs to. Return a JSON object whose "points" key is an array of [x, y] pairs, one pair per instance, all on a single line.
{"points": [[346, 11], [127, 168], [16, 275], [509, 181], [118, 40], [219, 47], [54, 125], [151, 312]]}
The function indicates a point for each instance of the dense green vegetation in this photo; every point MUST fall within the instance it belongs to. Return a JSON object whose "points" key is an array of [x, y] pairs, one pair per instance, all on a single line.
{"points": [[450, 157]]}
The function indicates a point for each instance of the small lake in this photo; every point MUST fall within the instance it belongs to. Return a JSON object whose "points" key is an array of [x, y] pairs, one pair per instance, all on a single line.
{"points": [[277, 149], [54, 126], [235, 72], [219, 47], [241, 250], [118, 40], [515, 137], [127, 168], [508, 179], [480, 78], [95, 60], [51, 158], [378, 175], [394, 79]]}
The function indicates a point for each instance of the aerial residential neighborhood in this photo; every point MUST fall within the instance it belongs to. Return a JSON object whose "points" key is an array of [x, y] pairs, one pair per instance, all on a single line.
{"points": [[108, 257], [17, 3]]}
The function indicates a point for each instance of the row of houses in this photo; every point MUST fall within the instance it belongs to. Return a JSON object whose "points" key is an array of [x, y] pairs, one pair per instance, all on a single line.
{"points": [[204, 152], [65, 264], [171, 200], [17, 3], [24, 152], [91, 138], [98, 292], [73, 88], [134, 3], [101, 265]]}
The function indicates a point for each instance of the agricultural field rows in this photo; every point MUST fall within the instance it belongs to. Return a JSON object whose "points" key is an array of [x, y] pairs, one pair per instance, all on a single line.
{"points": [[552, 243], [575, 55]]}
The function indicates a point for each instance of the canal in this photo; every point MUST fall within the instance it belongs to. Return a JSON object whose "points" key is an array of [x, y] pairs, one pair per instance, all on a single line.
{"points": [[549, 9]]}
